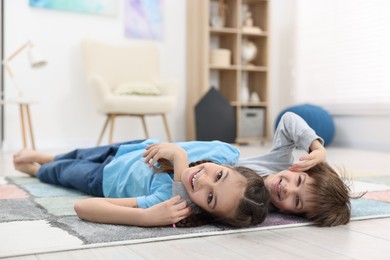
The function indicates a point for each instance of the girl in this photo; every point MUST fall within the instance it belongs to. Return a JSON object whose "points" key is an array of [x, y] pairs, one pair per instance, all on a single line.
{"points": [[133, 189]]}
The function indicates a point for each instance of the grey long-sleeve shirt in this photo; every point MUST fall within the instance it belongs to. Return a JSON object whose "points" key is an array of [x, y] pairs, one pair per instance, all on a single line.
{"points": [[292, 133]]}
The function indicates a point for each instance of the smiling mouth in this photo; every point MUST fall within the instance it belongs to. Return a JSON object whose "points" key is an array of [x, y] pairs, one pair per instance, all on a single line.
{"points": [[193, 178], [278, 188]]}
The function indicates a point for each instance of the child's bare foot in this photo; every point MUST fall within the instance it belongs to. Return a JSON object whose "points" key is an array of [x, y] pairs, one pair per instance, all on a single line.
{"points": [[32, 156], [29, 168], [24, 155]]}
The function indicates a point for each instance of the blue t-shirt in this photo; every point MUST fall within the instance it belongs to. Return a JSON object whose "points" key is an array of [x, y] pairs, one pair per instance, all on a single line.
{"points": [[127, 175]]}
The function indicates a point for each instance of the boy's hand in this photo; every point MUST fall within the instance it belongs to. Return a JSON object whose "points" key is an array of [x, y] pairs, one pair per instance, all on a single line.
{"points": [[168, 212], [316, 156], [161, 150]]}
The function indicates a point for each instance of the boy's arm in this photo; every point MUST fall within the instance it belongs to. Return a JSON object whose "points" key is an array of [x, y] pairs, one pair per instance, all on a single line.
{"points": [[124, 211], [167, 151], [293, 132], [317, 154]]}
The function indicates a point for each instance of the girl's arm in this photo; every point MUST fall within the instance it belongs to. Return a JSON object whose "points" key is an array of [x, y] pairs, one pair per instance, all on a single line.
{"points": [[168, 151], [124, 211]]}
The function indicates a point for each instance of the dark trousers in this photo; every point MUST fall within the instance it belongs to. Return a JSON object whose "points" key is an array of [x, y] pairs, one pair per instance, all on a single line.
{"points": [[81, 169]]}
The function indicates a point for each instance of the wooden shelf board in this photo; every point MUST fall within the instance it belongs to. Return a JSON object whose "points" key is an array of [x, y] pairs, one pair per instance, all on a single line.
{"points": [[249, 104], [253, 1], [236, 67], [224, 30], [217, 67], [261, 34], [253, 68]]}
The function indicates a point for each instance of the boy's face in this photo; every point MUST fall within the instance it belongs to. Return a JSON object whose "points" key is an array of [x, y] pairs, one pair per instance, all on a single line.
{"points": [[216, 189], [290, 191]]}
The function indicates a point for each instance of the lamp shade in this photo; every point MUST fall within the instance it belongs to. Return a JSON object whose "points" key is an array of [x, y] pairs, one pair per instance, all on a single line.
{"points": [[36, 58], [36, 61]]}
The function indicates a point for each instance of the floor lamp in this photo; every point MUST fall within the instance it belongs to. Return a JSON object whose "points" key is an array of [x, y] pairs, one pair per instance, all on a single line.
{"points": [[36, 61]]}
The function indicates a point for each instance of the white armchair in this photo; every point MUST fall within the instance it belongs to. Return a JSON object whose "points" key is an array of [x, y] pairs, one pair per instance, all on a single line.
{"points": [[136, 68]]}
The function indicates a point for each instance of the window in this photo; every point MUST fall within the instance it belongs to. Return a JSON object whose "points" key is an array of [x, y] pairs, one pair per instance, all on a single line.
{"points": [[343, 55]]}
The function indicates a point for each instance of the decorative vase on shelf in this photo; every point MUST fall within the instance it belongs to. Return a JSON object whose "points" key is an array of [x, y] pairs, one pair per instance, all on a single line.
{"points": [[217, 14], [244, 91], [248, 51], [244, 95], [247, 23], [254, 98]]}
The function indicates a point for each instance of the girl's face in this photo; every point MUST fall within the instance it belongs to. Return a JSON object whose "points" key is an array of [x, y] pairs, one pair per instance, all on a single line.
{"points": [[290, 191], [216, 189]]}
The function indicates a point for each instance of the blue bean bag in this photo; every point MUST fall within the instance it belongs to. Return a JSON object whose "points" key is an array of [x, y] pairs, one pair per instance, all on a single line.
{"points": [[316, 117]]}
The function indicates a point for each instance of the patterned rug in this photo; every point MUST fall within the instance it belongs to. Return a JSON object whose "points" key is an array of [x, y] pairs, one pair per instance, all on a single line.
{"points": [[39, 218]]}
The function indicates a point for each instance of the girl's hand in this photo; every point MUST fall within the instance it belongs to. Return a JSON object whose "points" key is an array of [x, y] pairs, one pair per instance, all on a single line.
{"points": [[316, 156], [168, 212], [161, 150]]}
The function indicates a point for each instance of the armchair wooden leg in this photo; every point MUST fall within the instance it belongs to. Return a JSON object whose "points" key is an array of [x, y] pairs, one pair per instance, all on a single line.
{"points": [[103, 130], [112, 119], [144, 125], [167, 127]]}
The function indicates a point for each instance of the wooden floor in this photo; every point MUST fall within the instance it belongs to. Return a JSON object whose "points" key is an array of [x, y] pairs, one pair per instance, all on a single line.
{"points": [[368, 239]]}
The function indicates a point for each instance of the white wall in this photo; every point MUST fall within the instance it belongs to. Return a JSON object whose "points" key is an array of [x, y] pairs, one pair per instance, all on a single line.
{"points": [[364, 131], [64, 115], [342, 63], [369, 132], [282, 55]]}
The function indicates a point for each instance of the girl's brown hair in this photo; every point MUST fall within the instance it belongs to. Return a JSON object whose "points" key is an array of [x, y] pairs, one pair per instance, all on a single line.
{"points": [[252, 208]]}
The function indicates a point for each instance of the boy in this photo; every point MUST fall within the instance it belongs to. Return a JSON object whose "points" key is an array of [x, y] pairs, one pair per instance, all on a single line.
{"points": [[311, 187]]}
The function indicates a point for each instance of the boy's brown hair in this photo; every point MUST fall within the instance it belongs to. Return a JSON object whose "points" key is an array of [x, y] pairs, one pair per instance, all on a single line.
{"points": [[332, 204]]}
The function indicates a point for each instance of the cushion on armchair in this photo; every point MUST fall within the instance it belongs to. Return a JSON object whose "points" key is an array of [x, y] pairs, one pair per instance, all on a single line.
{"points": [[137, 88]]}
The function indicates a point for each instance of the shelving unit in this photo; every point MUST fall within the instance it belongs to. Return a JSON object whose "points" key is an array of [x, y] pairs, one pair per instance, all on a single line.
{"points": [[207, 33]]}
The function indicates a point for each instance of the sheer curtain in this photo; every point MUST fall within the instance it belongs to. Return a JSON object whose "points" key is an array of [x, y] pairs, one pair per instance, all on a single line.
{"points": [[342, 57], [1, 73]]}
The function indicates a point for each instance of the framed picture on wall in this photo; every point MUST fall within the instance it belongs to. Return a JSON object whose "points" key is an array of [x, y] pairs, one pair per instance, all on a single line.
{"points": [[99, 7], [144, 19]]}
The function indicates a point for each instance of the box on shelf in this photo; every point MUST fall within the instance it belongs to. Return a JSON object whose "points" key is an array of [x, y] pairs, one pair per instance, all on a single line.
{"points": [[220, 57], [252, 122]]}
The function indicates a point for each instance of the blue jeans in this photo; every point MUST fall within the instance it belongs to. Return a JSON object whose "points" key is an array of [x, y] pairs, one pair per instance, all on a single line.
{"points": [[81, 169]]}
